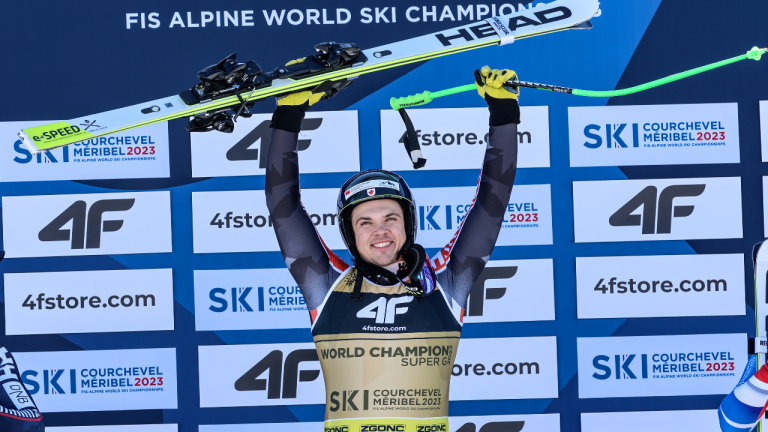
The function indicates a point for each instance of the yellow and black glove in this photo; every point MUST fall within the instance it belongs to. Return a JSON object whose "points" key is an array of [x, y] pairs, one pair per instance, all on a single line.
{"points": [[501, 98], [291, 107], [305, 98]]}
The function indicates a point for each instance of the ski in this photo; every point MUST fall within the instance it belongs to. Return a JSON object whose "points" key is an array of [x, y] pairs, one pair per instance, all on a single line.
{"points": [[229, 89], [760, 261]]}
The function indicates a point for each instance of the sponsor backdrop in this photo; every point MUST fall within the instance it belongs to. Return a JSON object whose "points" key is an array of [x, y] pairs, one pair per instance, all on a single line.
{"points": [[143, 283]]}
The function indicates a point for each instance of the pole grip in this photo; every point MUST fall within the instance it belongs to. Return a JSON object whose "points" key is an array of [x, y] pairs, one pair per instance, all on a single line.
{"points": [[409, 101]]}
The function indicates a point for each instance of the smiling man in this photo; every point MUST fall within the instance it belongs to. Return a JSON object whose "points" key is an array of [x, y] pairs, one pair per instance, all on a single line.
{"points": [[387, 328]]}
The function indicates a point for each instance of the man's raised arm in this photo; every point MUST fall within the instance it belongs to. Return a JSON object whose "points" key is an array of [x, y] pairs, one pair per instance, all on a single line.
{"points": [[471, 247], [312, 265]]}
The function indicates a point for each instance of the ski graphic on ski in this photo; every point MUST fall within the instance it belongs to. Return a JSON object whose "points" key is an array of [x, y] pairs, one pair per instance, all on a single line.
{"points": [[229, 88]]}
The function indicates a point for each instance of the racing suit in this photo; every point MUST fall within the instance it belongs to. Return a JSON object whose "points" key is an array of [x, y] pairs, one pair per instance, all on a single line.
{"points": [[386, 357]]}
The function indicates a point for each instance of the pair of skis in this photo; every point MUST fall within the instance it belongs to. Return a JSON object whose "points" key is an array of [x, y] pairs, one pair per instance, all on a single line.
{"points": [[229, 89]]}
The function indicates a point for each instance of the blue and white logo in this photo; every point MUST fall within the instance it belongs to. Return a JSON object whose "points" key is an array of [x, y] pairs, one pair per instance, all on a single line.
{"points": [[102, 380], [138, 153], [660, 365], [271, 299], [654, 135], [248, 299], [527, 220]]}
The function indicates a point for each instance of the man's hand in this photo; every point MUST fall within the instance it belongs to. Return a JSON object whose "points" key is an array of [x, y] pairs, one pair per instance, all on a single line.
{"points": [[501, 98], [291, 107], [306, 98], [491, 83]]}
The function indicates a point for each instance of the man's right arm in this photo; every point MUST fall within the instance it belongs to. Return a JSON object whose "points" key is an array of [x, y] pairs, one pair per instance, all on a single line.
{"points": [[311, 263]]}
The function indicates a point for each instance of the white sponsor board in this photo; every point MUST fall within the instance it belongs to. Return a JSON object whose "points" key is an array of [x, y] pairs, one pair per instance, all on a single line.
{"points": [[660, 286], [228, 375], [513, 290], [527, 221], [104, 380], [528, 423], [654, 134], [660, 365], [238, 221], [88, 301], [505, 368], [456, 138], [764, 129], [120, 428], [660, 209], [644, 421], [87, 224], [244, 151], [138, 153], [248, 299]]}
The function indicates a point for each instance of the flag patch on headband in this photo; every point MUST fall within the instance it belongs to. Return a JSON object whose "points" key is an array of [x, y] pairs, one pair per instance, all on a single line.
{"points": [[371, 192], [371, 185]]}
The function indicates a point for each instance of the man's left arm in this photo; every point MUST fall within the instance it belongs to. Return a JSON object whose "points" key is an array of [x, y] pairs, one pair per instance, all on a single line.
{"points": [[471, 247]]}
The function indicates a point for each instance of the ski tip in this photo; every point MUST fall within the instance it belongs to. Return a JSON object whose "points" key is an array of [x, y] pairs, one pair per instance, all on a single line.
{"points": [[755, 53], [755, 251], [28, 143]]}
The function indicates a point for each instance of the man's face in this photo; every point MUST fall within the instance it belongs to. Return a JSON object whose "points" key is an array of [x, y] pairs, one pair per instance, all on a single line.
{"points": [[379, 231]]}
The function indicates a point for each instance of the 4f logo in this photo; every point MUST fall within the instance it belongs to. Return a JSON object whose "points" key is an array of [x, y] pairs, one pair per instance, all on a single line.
{"points": [[479, 294], [384, 311], [647, 198], [262, 133], [622, 364], [508, 426], [285, 376], [87, 224]]}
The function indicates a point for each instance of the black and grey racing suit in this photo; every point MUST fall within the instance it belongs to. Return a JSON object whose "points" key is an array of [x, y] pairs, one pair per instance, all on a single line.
{"points": [[364, 348]]}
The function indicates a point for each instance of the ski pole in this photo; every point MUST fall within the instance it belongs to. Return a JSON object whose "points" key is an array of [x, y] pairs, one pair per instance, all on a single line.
{"points": [[426, 97]]}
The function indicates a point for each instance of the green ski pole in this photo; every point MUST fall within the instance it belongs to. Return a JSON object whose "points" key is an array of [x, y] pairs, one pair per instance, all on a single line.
{"points": [[426, 97]]}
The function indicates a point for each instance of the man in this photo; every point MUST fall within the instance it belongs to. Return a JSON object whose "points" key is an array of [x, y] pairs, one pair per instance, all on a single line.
{"points": [[387, 328]]}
